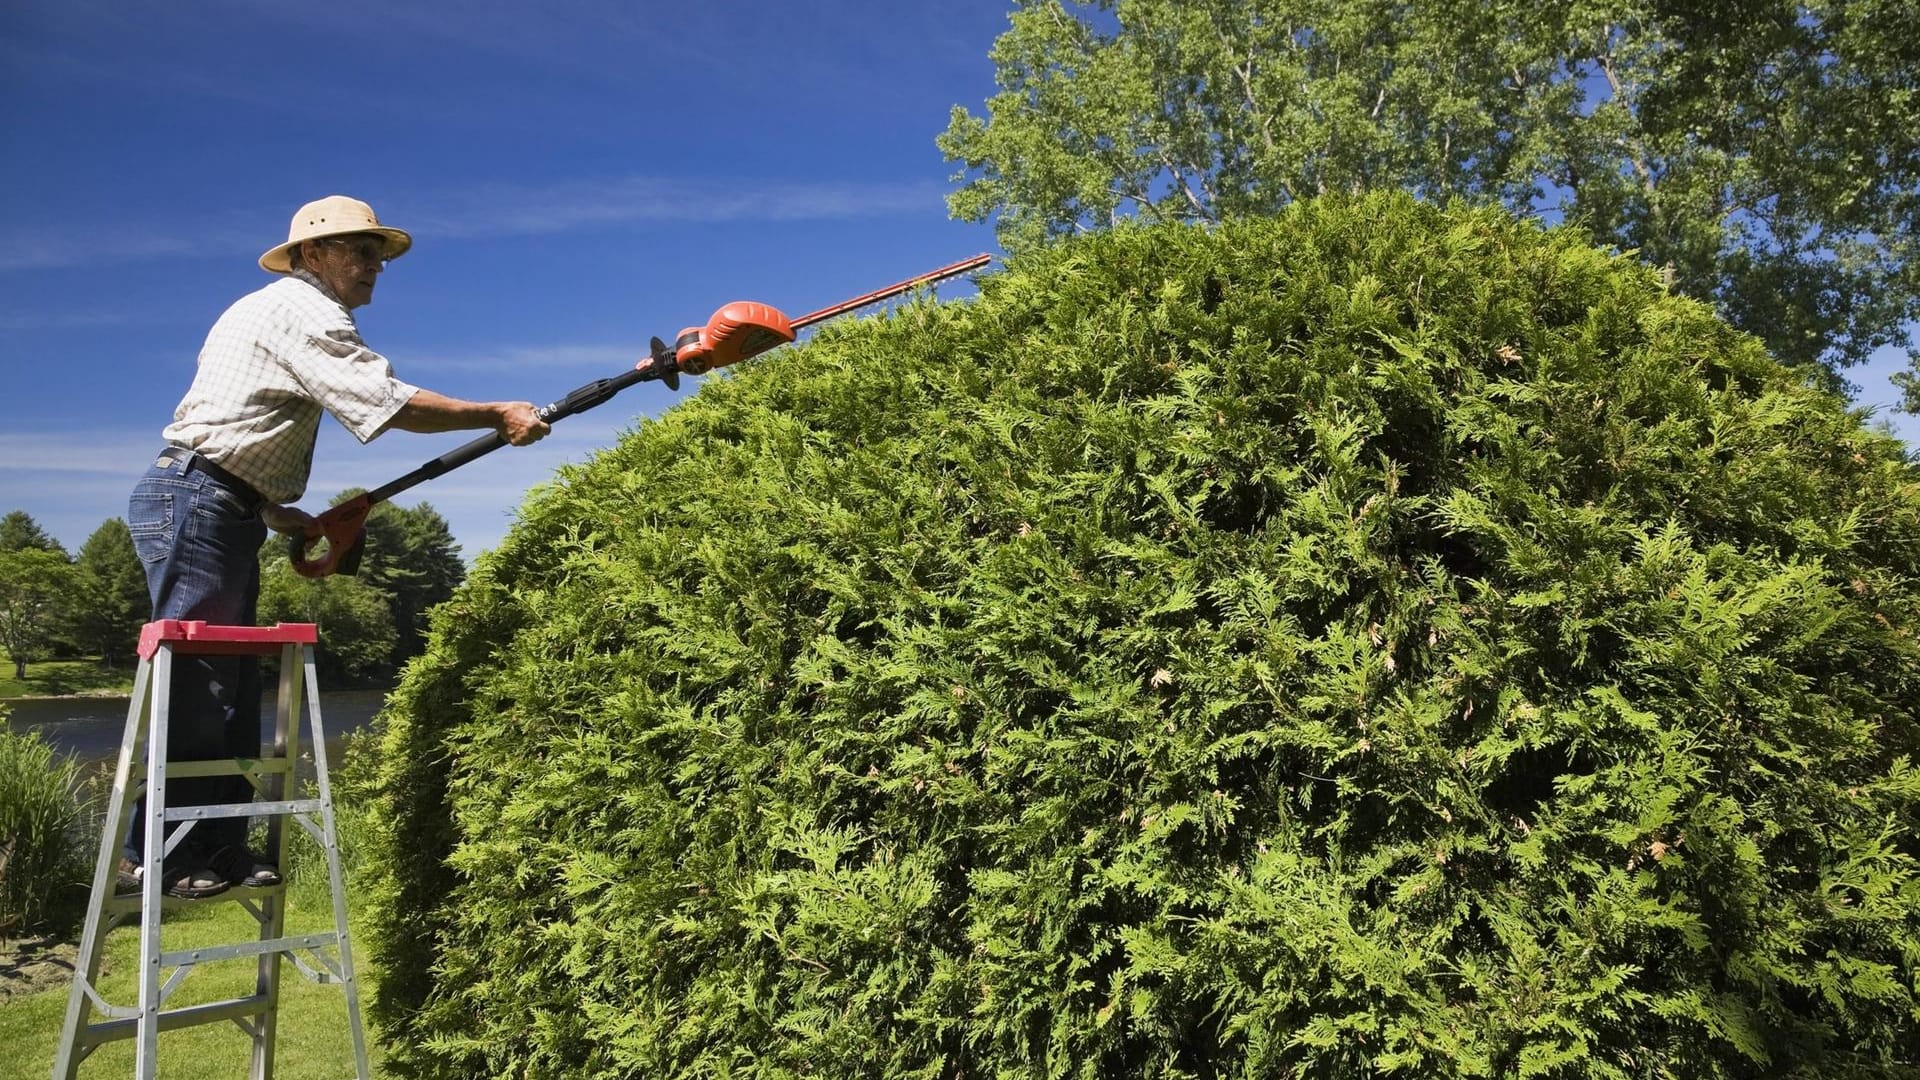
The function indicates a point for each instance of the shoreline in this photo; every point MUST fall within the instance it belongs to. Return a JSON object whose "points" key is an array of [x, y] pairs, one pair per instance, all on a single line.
{"points": [[84, 695], [95, 695]]}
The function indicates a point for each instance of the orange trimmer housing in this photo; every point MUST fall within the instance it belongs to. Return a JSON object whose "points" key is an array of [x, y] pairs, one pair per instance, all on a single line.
{"points": [[741, 329]]}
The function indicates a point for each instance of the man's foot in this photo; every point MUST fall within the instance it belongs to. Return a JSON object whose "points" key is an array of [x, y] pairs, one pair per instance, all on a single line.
{"points": [[188, 882], [192, 881], [239, 866], [126, 879]]}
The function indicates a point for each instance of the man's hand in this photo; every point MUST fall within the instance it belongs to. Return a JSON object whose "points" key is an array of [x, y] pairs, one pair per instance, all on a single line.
{"points": [[519, 423], [286, 519]]}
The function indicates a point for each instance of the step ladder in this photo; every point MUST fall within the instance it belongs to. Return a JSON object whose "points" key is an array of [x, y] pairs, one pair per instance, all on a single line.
{"points": [[143, 764]]}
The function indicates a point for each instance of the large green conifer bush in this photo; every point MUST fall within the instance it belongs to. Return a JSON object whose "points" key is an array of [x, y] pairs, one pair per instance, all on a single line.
{"points": [[1371, 640]]}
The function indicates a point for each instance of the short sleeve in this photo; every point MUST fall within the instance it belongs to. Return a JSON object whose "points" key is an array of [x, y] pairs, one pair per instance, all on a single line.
{"points": [[349, 380]]}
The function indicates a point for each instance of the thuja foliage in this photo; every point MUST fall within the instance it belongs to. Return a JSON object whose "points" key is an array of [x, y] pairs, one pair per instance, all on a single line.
{"points": [[1372, 640]]}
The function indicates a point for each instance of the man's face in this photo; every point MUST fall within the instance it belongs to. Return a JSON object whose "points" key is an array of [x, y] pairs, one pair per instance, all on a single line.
{"points": [[350, 265]]}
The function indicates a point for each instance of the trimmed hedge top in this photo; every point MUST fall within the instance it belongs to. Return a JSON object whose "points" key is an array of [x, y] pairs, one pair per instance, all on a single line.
{"points": [[1373, 638]]}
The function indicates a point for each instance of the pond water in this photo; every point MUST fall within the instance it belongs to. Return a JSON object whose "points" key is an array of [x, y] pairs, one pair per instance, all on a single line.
{"points": [[90, 727]]}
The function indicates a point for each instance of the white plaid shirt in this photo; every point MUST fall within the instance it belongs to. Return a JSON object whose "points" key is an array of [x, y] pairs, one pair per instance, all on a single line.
{"points": [[272, 362]]}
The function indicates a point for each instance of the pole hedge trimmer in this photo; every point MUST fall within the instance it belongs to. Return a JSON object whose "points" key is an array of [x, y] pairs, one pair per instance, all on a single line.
{"points": [[737, 331]]}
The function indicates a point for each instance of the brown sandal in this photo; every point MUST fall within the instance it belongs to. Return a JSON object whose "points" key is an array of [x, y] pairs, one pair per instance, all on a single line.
{"points": [[185, 882], [193, 882], [239, 866]]}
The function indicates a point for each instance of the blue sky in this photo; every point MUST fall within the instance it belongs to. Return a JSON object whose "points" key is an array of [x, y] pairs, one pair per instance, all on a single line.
{"points": [[578, 176]]}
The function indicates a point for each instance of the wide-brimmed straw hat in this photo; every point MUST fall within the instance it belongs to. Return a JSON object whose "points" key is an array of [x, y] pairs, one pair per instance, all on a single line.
{"points": [[335, 215]]}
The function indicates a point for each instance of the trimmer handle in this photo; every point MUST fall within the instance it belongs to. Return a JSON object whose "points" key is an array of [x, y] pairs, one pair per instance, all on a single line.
{"points": [[343, 528]]}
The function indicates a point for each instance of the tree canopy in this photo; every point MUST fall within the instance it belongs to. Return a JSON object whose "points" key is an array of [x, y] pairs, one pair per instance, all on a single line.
{"points": [[370, 624], [355, 619], [35, 587], [1765, 152]]}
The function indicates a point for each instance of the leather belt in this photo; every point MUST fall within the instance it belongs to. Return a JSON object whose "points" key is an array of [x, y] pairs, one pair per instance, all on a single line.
{"points": [[190, 461]]}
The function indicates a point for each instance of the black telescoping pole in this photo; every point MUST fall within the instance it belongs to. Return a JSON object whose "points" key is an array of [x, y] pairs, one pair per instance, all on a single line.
{"points": [[579, 400]]}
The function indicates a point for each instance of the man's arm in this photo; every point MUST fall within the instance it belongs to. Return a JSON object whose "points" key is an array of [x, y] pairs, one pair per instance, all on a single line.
{"points": [[515, 421]]}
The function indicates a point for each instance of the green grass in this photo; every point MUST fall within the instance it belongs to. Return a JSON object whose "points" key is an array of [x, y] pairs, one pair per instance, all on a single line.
{"points": [[313, 1035], [53, 678]]}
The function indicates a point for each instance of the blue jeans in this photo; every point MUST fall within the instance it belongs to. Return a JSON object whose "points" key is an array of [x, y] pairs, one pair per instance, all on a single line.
{"points": [[199, 540]]}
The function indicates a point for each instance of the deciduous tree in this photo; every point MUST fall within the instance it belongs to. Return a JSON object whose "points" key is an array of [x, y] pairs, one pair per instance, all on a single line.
{"points": [[36, 589], [1765, 152]]}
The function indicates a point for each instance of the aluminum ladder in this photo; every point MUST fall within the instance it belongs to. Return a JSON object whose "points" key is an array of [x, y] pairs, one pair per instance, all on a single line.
{"points": [[143, 764]]}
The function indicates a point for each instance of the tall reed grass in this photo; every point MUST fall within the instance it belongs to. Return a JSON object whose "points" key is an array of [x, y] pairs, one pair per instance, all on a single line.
{"points": [[47, 820]]}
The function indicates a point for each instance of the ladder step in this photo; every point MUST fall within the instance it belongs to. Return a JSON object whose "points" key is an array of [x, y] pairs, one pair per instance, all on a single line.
{"points": [[200, 638], [124, 905], [109, 1030], [230, 767], [246, 948], [244, 809]]}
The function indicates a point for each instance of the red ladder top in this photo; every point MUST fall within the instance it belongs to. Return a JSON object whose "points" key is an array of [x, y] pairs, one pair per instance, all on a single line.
{"points": [[204, 638]]}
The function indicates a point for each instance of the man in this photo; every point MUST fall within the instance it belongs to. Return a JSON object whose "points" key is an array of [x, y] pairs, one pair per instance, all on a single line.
{"points": [[239, 449]]}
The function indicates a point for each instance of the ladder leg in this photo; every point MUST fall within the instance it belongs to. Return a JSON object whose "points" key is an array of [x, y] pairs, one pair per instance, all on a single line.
{"points": [[142, 764], [86, 968], [147, 1063], [273, 912], [349, 981]]}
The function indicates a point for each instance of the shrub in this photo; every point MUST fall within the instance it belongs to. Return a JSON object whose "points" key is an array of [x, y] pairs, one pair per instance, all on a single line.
{"points": [[1376, 639], [47, 836]]}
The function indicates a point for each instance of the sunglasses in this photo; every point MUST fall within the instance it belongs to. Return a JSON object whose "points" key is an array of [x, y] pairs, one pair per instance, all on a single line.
{"points": [[367, 250]]}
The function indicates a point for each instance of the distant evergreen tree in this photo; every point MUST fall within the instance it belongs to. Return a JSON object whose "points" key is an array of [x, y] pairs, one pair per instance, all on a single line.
{"points": [[1371, 640], [111, 602], [19, 532], [412, 557]]}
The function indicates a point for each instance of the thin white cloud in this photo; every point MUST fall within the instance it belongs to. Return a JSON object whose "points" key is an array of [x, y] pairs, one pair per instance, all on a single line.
{"points": [[601, 359], [64, 320], [567, 206], [71, 482], [120, 453], [44, 247], [492, 211]]}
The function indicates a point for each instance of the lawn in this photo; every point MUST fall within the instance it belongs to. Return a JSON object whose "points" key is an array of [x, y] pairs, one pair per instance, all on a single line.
{"points": [[313, 1035], [53, 678]]}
